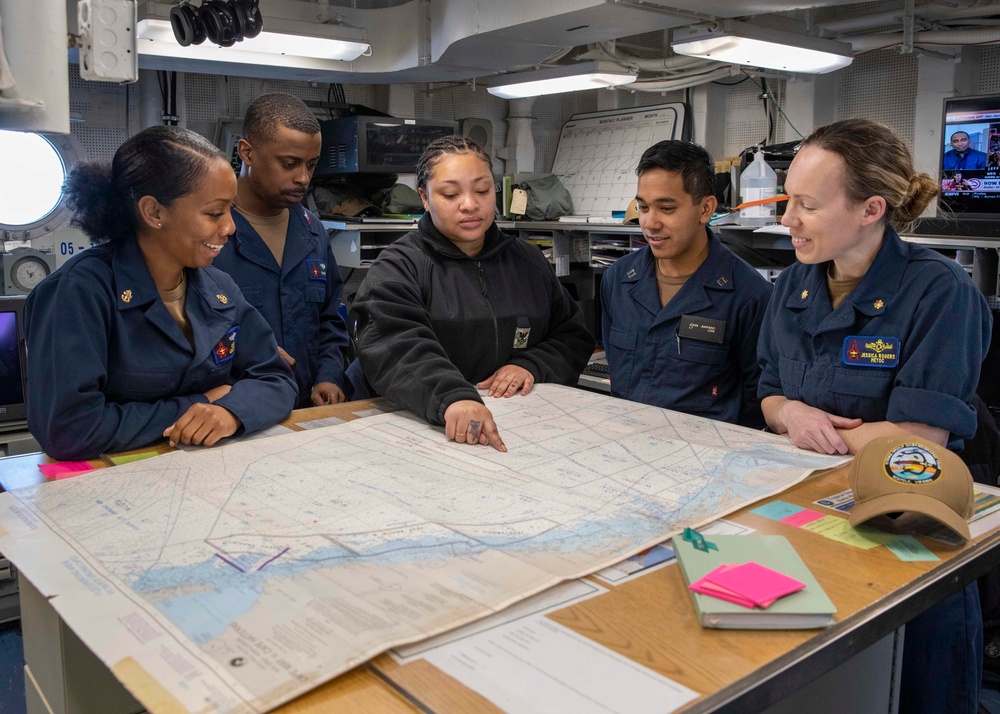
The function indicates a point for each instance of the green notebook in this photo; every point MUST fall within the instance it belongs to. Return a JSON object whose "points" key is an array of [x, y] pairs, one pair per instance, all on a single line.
{"points": [[806, 609]]}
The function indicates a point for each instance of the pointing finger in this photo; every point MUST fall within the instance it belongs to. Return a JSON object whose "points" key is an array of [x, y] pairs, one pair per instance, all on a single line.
{"points": [[493, 436]]}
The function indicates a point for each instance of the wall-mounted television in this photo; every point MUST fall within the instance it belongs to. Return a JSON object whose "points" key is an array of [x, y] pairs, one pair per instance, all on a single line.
{"points": [[13, 361], [970, 157]]}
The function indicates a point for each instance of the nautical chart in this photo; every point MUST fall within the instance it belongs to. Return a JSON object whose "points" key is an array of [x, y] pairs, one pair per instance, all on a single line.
{"points": [[236, 578], [598, 152]]}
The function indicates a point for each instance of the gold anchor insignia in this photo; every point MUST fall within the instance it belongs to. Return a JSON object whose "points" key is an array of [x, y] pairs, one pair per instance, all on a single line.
{"points": [[127, 296], [879, 304], [805, 294], [223, 299]]}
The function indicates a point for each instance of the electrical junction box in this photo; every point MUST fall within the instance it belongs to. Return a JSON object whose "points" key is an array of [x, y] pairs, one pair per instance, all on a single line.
{"points": [[107, 40]]}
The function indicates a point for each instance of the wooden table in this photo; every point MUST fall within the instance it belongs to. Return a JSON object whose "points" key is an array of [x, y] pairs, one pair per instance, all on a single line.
{"points": [[651, 619], [21, 471]]}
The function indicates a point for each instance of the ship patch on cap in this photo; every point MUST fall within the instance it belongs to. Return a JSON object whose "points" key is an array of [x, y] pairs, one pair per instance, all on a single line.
{"points": [[912, 464]]}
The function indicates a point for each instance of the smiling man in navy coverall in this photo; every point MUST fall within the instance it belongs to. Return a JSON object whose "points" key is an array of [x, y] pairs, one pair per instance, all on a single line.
{"points": [[681, 317], [281, 256]]}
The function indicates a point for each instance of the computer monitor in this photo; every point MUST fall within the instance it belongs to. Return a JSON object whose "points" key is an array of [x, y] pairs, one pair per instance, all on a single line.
{"points": [[970, 157], [375, 144], [13, 360]]}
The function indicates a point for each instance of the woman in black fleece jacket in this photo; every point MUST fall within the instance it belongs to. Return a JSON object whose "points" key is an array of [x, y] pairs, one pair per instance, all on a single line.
{"points": [[457, 306]]}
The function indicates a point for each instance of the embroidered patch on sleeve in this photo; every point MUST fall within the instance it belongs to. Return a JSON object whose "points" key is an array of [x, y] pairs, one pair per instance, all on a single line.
{"points": [[226, 348], [317, 269]]}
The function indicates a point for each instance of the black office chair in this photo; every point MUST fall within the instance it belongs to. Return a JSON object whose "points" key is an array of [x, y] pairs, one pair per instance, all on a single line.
{"points": [[358, 386], [982, 455], [982, 452]]}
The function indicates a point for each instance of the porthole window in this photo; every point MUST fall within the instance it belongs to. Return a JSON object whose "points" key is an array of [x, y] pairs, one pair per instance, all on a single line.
{"points": [[31, 178], [33, 169]]}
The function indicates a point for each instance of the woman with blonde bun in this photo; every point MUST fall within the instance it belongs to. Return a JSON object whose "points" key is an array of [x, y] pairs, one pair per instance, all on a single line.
{"points": [[868, 336]]}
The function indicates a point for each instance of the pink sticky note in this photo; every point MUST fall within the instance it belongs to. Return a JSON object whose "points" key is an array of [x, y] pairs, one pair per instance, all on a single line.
{"points": [[755, 582], [706, 587], [64, 469], [801, 518]]}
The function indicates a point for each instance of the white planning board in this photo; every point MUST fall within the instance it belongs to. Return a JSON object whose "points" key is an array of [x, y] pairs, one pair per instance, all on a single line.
{"points": [[598, 152]]}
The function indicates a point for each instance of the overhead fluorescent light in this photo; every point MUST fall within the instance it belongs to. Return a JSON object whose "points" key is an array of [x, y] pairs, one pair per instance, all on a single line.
{"points": [[283, 42], [555, 80], [757, 46]]}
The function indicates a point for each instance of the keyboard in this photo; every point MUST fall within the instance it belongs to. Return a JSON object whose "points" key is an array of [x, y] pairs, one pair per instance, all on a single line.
{"points": [[959, 226], [597, 369]]}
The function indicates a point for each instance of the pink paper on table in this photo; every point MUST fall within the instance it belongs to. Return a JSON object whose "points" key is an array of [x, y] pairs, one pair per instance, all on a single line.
{"points": [[801, 518], [64, 469], [706, 587], [755, 582]]}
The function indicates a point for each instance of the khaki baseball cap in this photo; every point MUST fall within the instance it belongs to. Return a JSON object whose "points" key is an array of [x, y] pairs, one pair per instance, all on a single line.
{"points": [[907, 473], [632, 212]]}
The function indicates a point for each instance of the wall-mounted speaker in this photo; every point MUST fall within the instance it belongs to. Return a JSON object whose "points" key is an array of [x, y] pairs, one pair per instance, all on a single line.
{"points": [[480, 131]]}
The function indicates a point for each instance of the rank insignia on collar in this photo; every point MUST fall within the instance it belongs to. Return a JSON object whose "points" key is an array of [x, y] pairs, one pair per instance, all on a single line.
{"points": [[879, 305], [127, 296], [630, 273], [226, 348], [222, 298], [805, 294], [721, 281], [317, 269]]}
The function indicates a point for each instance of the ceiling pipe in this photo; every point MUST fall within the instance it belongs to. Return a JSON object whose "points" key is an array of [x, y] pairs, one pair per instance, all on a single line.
{"points": [[930, 11], [865, 43], [519, 153], [670, 85], [982, 22], [672, 63]]}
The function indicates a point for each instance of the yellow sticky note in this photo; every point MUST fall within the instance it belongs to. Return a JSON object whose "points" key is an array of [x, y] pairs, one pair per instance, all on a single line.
{"points": [[840, 530], [129, 458]]}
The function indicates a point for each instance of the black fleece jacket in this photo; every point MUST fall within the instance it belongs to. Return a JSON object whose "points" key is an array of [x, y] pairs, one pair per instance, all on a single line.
{"points": [[433, 321]]}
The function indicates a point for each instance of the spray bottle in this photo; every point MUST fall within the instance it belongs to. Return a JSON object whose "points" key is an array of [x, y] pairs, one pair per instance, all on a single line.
{"points": [[758, 181]]}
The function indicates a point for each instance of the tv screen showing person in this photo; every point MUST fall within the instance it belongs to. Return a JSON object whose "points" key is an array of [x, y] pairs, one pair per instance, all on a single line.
{"points": [[970, 157], [962, 156], [957, 182]]}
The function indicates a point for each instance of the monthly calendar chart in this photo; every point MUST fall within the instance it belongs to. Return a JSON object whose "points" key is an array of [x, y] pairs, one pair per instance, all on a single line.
{"points": [[598, 152]]}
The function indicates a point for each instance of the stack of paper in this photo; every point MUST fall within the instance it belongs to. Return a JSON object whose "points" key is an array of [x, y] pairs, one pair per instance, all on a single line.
{"points": [[749, 585], [753, 582]]}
